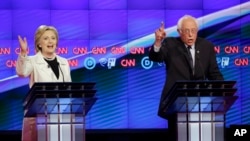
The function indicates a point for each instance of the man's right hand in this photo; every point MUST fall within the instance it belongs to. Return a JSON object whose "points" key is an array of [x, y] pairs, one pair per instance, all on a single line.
{"points": [[160, 34]]}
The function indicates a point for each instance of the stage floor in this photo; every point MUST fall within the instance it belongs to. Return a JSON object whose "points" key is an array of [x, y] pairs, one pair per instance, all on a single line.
{"points": [[113, 135]]}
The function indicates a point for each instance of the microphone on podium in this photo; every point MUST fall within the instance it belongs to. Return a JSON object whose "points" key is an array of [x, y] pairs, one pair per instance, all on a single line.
{"points": [[60, 70], [200, 65]]}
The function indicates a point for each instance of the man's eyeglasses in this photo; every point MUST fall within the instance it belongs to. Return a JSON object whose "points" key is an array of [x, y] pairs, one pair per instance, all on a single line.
{"points": [[188, 31]]}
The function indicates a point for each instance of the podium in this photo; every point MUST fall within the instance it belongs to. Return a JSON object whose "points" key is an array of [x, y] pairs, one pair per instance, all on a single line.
{"points": [[60, 109], [199, 108]]}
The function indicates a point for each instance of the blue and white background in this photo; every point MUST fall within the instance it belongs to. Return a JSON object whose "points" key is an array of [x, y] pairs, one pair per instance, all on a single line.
{"points": [[107, 42]]}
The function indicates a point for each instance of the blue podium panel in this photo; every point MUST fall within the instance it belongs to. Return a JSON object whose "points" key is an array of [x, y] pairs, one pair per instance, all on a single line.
{"points": [[72, 98], [202, 104]]}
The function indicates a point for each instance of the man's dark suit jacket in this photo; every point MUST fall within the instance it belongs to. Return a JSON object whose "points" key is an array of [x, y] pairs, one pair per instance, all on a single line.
{"points": [[174, 53]]}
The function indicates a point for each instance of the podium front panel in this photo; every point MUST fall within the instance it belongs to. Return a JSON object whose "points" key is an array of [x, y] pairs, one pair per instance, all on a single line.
{"points": [[60, 106], [201, 104], [199, 108], [60, 109]]}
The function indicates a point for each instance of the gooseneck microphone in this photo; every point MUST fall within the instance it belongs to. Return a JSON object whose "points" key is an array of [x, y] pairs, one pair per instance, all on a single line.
{"points": [[60, 70], [201, 67]]}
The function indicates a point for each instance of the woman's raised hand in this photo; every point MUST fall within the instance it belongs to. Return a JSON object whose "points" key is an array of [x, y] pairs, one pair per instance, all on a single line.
{"points": [[23, 45]]}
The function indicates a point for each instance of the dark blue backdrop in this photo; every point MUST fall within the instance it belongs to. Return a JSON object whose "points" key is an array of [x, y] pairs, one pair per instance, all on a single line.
{"points": [[128, 83]]}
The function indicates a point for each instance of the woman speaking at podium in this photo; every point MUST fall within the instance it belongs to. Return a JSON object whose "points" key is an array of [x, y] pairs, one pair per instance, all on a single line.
{"points": [[44, 66]]}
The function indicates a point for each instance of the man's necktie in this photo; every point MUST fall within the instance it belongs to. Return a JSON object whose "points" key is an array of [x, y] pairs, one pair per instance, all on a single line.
{"points": [[190, 58]]}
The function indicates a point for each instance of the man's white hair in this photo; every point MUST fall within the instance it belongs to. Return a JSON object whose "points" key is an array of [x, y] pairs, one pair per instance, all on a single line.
{"points": [[179, 24]]}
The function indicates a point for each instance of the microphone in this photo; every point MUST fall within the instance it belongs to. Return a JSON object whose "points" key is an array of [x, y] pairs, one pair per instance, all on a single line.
{"points": [[201, 67], [61, 70]]}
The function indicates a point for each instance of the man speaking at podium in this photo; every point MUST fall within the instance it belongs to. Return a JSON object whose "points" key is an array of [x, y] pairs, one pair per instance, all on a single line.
{"points": [[187, 57]]}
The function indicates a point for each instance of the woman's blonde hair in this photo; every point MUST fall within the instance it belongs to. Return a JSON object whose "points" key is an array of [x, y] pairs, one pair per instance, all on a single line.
{"points": [[40, 31]]}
